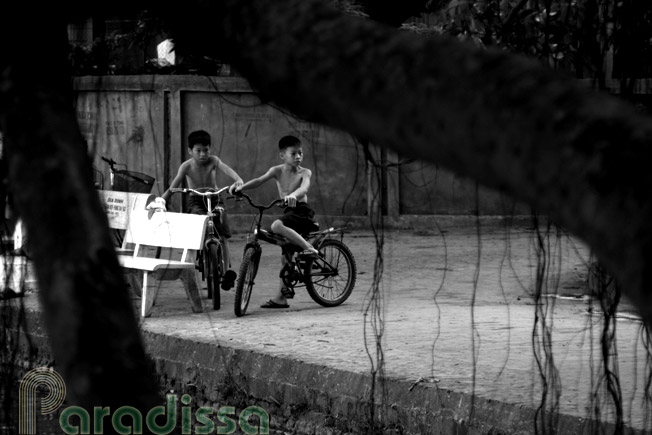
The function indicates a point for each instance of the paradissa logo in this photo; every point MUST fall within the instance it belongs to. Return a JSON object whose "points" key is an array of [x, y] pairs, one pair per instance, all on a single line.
{"points": [[128, 420]]}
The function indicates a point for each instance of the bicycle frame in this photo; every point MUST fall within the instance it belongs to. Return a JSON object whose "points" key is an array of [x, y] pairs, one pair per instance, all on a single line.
{"points": [[292, 271], [211, 235]]}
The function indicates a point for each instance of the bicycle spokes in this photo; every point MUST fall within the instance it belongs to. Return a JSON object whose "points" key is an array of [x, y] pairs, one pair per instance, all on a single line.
{"points": [[323, 267], [331, 276]]}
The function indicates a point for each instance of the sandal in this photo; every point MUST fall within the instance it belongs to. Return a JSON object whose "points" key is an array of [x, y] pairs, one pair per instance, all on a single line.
{"points": [[307, 253], [228, 280], [271, 304]]}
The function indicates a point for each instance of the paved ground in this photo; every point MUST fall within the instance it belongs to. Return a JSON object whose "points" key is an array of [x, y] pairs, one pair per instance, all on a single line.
{"points": [[458, 314], [447, 299]]}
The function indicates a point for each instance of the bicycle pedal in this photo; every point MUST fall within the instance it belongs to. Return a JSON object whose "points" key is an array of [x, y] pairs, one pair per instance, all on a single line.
{"points": [[287, 292]]}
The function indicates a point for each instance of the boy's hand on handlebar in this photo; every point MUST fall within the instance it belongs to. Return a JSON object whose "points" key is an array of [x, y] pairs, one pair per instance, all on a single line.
{"points": [[290, 201], [236, 188], [157, 205]]}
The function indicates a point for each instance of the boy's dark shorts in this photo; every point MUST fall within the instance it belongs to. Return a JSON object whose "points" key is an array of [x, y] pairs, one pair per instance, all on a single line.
{"points": [[299, 218], [197, 205]]}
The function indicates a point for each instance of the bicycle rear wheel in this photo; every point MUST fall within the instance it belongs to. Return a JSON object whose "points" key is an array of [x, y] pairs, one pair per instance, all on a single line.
{"points": [[246, 277], [213, 263], [331, 277]]}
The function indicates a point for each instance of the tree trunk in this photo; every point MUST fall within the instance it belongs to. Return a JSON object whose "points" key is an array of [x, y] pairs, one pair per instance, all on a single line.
{"points": [[91, 324]]}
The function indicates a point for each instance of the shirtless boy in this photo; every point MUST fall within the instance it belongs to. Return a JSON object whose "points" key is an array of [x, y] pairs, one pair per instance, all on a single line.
{"points": [[293, 182], [200, 171]]}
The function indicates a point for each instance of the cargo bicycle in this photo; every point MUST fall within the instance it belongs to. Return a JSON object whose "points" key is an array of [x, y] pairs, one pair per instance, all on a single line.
{"points": [[123, 180], [329, 277]]}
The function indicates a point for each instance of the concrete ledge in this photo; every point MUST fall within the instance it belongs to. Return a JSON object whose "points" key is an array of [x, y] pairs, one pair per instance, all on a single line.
{"points": [[301, 397], [308, 398]]}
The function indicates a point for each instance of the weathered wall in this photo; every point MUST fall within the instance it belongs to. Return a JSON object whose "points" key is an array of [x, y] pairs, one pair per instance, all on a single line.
{"points": [[428, 189], [124, 121], [144, 121], [246, 134]]}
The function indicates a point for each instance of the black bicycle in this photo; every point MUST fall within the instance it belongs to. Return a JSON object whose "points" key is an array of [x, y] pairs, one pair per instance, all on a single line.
{"points": [[328, 277], [211, 260]]}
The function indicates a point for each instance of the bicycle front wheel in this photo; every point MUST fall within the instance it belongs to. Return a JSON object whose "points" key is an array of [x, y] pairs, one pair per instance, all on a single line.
{"points": [[246, 277], [202, 267], [331, 277], [214, 261]]}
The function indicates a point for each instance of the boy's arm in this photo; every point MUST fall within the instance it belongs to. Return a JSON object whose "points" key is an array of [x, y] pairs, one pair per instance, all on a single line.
{"points": [[228, 171], [231, 173], [302, 191], [255, 182], [176, 182]]}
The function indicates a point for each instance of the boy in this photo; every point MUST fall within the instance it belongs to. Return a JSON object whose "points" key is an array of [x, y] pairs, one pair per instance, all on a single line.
{"points": [[292, 181], [200, 171]]}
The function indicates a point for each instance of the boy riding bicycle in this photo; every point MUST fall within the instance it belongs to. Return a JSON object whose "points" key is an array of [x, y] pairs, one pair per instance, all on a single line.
{"points": [[199, 172], [293, 182]]}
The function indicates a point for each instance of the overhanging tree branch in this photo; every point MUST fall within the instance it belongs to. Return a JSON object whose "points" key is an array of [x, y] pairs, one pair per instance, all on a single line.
{"points": [[504, 120]]}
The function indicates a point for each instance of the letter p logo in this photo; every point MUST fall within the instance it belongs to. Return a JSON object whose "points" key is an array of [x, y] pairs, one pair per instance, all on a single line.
{"points": [[39, 377]]}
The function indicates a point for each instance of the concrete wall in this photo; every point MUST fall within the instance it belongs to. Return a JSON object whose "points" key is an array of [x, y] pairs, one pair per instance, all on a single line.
{"points": [[143, 121], [426, 188]]}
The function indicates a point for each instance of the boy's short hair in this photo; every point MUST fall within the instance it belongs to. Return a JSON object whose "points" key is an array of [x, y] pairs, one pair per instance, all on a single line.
{"points": [[287, 142], [200, 137]]}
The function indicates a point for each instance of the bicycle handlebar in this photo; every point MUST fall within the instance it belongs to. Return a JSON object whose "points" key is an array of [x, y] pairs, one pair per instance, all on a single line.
{"points": [[112, 163], [197, 192], [259, 206]]}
